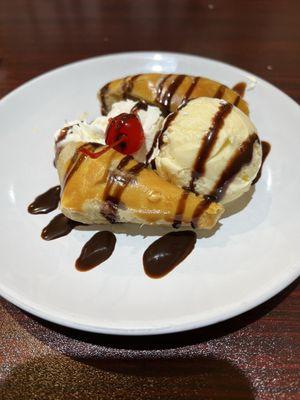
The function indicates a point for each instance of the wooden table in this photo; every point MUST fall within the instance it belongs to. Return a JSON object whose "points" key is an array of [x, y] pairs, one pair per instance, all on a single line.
{"points": [[253, 356]]}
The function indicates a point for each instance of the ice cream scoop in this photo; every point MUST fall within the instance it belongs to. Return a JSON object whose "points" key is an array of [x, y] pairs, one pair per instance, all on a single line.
{"points": [[211, 148]]}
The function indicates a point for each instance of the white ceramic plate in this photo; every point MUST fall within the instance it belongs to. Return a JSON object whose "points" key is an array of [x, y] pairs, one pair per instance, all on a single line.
{"points": [[253, 255]]}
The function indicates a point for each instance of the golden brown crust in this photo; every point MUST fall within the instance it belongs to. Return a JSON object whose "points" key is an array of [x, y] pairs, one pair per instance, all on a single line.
{"points": [[166, 91], [144, 197]]}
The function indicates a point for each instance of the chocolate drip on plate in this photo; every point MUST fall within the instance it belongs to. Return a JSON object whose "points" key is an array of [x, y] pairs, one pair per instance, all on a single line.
{"points": [[45, 202], [266, 148], [167, 252], [59, 226], [98, 249], [208, 143]]}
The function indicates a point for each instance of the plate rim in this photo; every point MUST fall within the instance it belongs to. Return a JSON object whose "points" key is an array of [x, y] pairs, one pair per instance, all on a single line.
{"points": [[167, 329], [275, 287]]}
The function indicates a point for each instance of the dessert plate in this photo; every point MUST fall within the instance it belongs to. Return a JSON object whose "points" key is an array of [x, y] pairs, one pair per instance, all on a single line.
{"points": [[252, 255]]}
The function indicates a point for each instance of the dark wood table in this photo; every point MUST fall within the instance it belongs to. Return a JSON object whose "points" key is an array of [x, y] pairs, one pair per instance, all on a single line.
{"points": [[253, 356]]}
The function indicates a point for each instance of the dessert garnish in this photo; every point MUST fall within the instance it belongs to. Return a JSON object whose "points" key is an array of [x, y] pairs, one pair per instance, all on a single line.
{"points": [[128, 127], [124, 133], [131, 165]]}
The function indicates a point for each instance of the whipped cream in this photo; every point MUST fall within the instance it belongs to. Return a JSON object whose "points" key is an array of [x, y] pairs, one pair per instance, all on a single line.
{"points": [[83, 131]]}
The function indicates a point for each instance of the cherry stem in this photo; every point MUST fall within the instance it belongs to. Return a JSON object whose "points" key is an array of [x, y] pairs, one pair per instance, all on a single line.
{"points": [[108, 147]]}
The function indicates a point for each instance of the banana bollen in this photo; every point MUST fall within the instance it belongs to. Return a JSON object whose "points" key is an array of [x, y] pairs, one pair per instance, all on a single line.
{"points": [[116, 188], [167, 91]]}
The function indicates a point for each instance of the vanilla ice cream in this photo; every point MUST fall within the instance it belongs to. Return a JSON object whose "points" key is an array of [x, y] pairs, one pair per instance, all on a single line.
{"points": [[82, 131], [208, 144]]}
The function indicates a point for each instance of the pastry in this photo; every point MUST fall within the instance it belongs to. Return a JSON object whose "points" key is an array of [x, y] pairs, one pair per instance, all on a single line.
{"points": [[116, 188], [166, 91]]}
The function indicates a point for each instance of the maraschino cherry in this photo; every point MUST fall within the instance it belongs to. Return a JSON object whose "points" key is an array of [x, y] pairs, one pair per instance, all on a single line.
{"points": [[124, 133]]}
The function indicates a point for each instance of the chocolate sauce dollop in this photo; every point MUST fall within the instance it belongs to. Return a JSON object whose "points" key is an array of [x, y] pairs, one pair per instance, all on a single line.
{"points": [[45, 202], [167, 252], [98, 249], [59, 226]]}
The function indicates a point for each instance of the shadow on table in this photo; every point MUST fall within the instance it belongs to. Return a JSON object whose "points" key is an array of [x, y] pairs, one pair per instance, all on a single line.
{"points": [[40, 329], [61, 378]]}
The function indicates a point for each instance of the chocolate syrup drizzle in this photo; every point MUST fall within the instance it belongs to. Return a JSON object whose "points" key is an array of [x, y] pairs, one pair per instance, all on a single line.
{"points": [[240, 88], [266, 148], [160, 88], [45, 202], [121, 178], [180, 210], [158, 138], [200, 209], [208, 143], [77, 160], [128, 85], [102, 94], [166, 99], [188, 94], [165, 92], [220, 92], [243, 156], [140, 105], [62, 134]]}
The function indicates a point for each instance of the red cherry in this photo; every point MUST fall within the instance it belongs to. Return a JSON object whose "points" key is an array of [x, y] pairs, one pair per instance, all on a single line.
{"points": [[128, 128]]}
